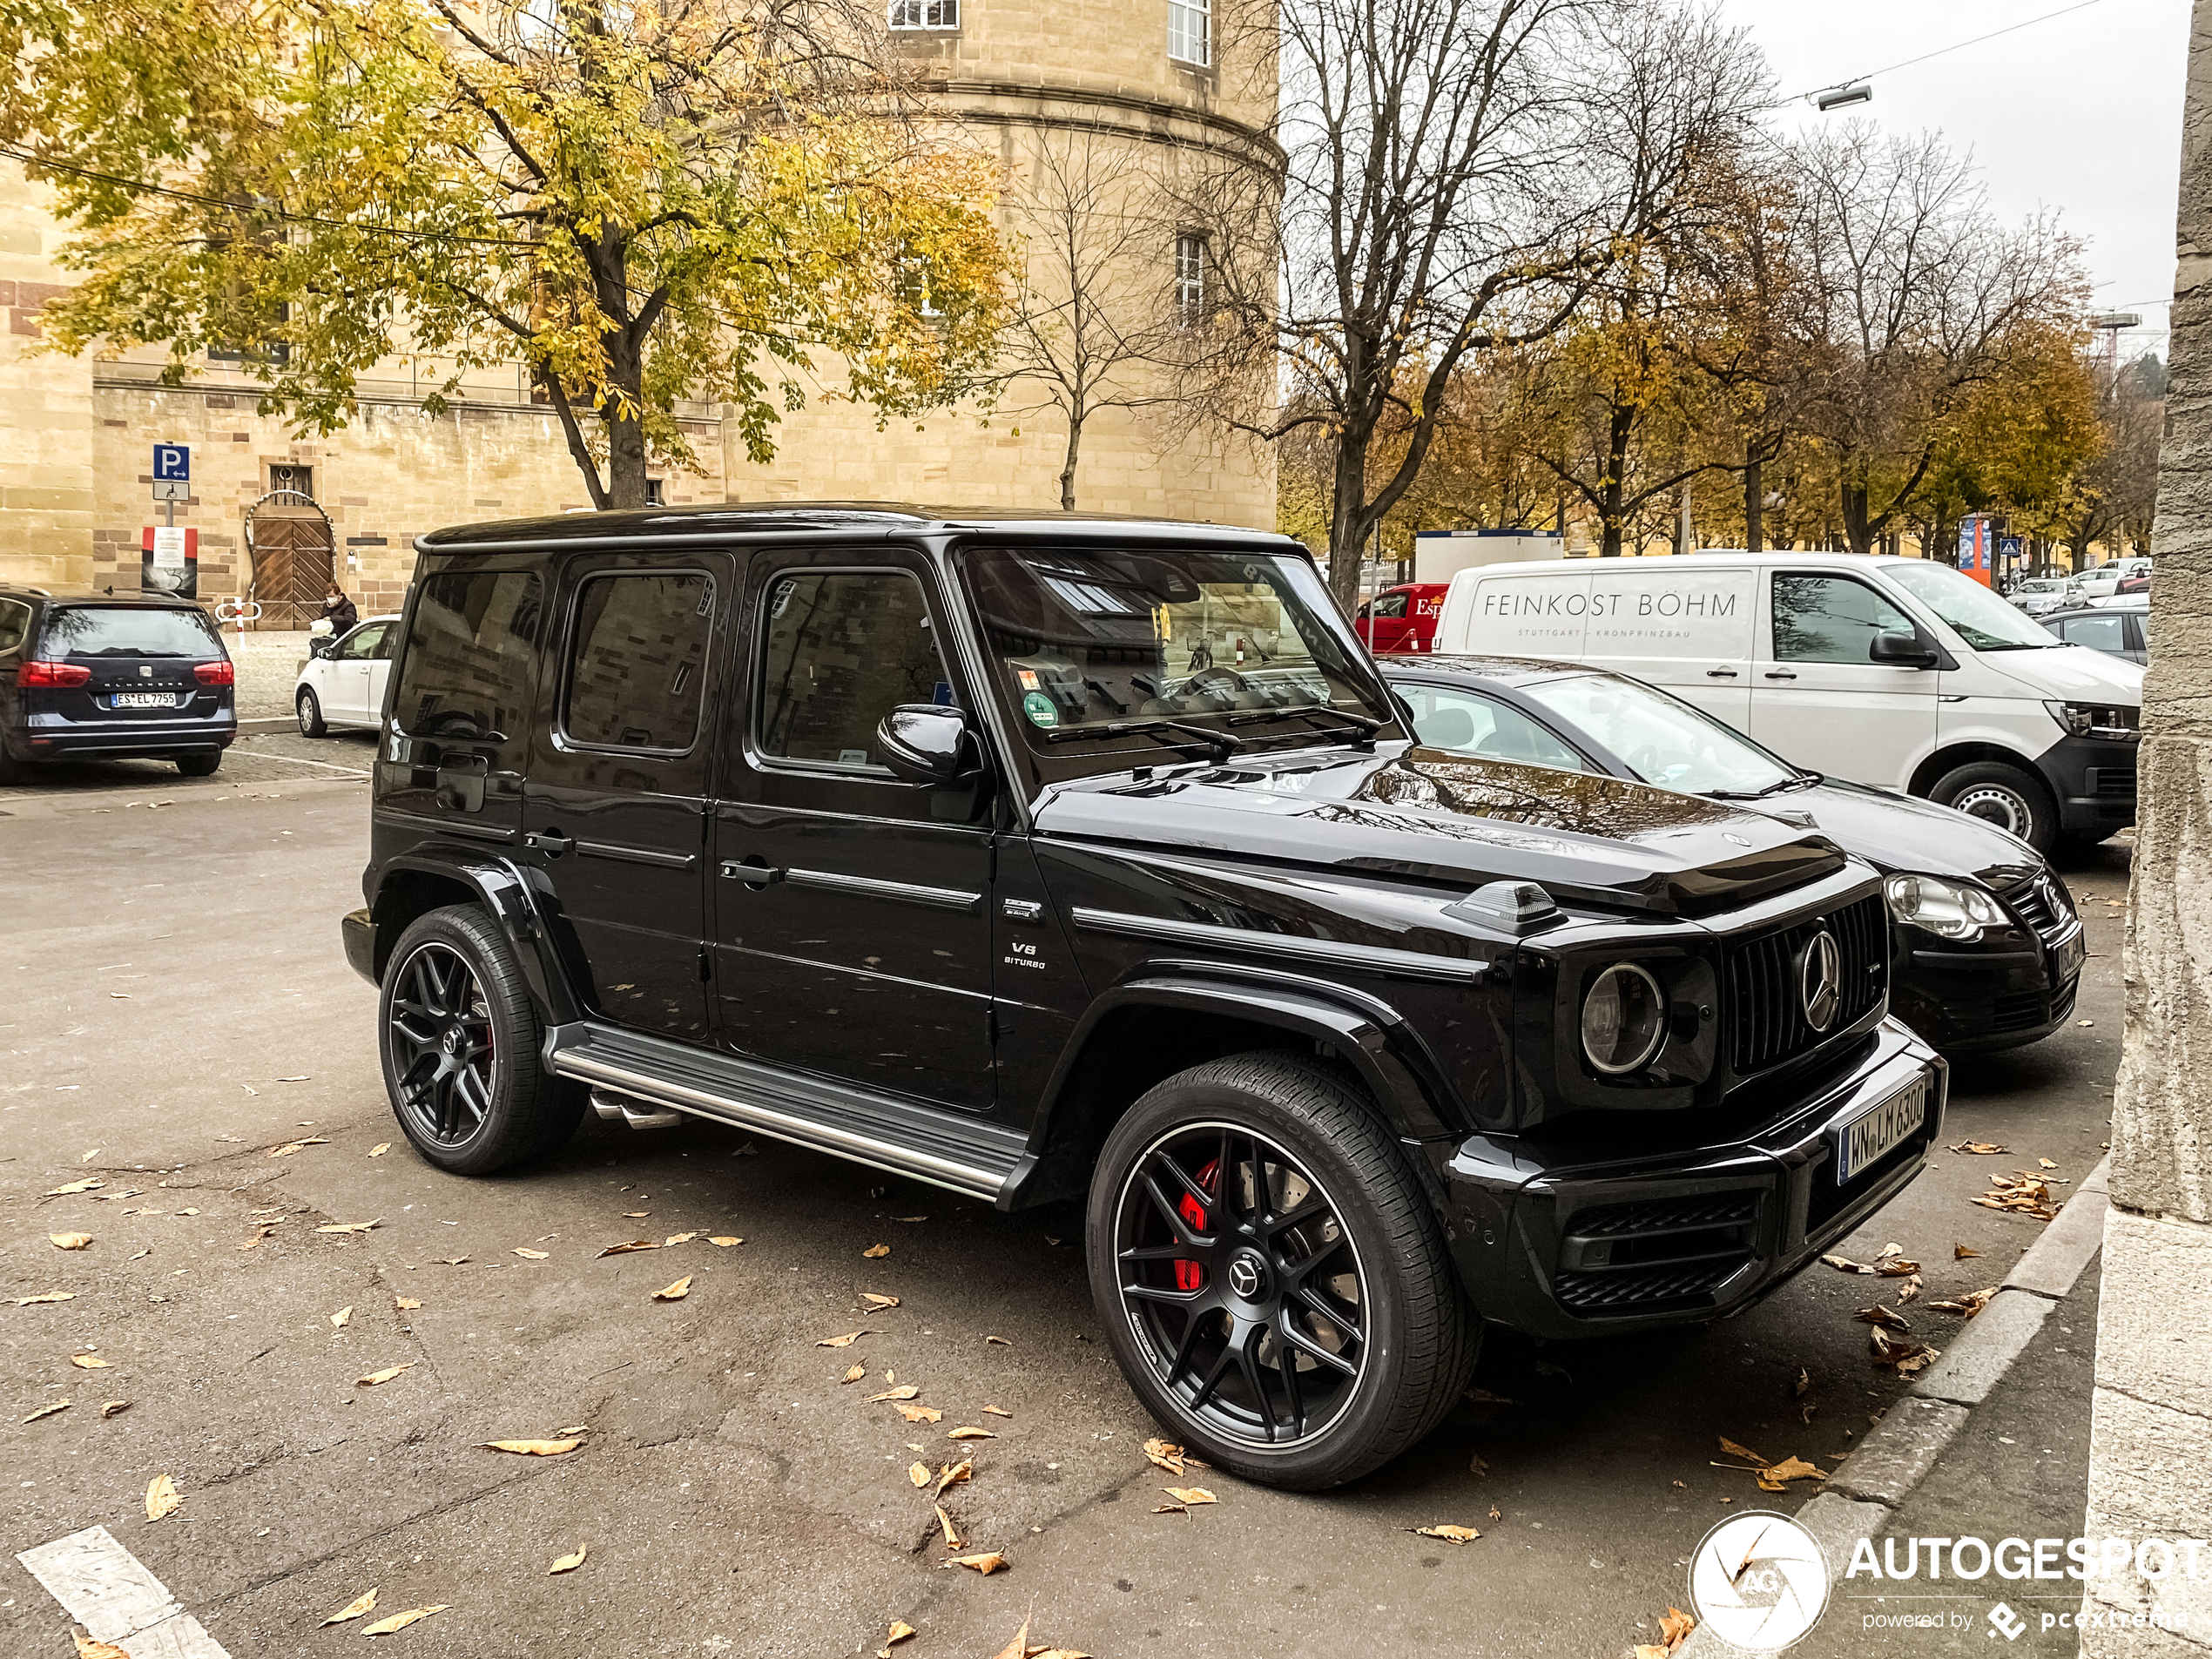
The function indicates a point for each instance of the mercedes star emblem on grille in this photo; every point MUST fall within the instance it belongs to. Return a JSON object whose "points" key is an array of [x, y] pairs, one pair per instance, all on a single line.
{"points": [[1820, 980]]}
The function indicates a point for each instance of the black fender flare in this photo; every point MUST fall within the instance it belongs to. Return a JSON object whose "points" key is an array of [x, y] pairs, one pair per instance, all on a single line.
{"points": [[1371, 1037], [520, 900]]}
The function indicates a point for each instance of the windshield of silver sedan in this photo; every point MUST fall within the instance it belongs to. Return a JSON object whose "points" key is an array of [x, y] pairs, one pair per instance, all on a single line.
{"points": [[1171, 648]]}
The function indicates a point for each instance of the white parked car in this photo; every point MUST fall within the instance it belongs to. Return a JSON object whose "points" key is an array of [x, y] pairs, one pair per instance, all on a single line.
{"points": [[342, 684], [2039, 594]]}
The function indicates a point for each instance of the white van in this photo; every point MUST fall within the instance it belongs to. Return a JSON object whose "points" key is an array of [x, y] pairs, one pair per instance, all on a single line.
{"points": [[1893, 672]]}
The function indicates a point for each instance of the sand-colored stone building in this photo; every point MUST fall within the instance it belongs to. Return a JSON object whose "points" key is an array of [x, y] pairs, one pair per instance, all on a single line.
{"points": [[77, 434]]}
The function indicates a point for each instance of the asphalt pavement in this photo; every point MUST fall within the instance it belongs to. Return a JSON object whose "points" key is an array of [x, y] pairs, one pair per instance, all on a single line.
{"points": [[180, 1027]]}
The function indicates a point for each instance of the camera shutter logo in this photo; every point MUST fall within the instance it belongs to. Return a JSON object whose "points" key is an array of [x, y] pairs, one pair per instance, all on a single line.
{"points": [[1759, 1581], [1820, 980]]}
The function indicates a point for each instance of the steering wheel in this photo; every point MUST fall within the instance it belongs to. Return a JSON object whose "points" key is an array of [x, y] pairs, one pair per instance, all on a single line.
{"points": [[1237, 682], [1646, 762]]}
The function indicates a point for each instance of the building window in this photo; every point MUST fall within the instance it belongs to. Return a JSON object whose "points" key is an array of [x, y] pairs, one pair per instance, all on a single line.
{"points": [[653, 496], [285, 475], [1191, 31], [1190, 279], [925, 14]]}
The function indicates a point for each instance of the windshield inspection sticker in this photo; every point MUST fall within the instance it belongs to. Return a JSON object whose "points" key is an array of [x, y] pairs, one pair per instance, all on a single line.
{"points": [[1040, 709]]}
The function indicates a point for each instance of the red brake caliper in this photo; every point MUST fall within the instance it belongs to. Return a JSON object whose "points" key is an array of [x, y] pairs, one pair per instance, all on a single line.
{"points": [[1189, 1275]]}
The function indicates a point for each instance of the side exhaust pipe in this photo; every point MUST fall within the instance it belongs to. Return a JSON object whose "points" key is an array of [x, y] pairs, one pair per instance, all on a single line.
{"points": [[632, 1112]]}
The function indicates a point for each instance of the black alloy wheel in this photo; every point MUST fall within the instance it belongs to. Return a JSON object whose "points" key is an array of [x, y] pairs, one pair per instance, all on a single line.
{"points": [[1242, 1284], [438, 1027], [1271, 1273], [461, 1043]]}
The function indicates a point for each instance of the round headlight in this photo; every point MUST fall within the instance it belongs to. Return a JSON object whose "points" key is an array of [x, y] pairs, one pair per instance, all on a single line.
{"points": [[1624, 1020]]}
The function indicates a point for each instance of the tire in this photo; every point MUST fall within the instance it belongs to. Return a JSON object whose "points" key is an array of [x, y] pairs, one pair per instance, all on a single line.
{"points": [[2009, 797], [461, 1045], [200, 765], [309, 709], [1201, 1336], [13, 771]]}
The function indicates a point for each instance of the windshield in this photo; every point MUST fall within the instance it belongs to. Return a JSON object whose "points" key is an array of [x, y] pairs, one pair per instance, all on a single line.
{"points": [[1982, 619], [1665, 741], [121, 631], [1090, 645]]}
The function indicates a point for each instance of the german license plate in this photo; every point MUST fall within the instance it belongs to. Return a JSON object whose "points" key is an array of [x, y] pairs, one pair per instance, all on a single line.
{"points": [[143, 701], [1861, 1142]]}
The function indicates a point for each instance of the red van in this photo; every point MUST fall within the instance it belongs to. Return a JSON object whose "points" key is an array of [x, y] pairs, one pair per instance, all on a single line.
{"points": [[1402, 618]]}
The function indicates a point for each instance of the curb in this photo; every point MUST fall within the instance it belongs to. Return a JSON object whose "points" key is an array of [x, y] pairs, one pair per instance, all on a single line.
{"points": [[1857, 1500]]}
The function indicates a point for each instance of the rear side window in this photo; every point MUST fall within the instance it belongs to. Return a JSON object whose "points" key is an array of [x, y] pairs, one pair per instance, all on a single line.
{"points": [[14, 622], [123, 630], [1830, 619], [841, 649], [467, 673], [636, 659], [2099, 633]]}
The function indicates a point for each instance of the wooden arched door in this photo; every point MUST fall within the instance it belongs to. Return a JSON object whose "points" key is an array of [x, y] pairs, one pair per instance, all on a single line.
{"points": [[294, 551]]}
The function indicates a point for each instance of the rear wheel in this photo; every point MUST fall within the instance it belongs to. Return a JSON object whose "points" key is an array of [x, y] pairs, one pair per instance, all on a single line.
{"points": [[1272, 1274], [12, 770], [461, 1043], [310, 711], [200, 765], [2008, 796]]}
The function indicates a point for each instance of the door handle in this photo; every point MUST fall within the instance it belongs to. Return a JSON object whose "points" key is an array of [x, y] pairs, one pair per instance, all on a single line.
{"points": [[1780, 674], [547, 842], [751, 871], [1720, 673]]}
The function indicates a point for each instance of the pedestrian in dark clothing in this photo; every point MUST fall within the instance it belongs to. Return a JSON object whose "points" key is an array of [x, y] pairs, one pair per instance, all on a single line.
{"points": [[340, 609]]}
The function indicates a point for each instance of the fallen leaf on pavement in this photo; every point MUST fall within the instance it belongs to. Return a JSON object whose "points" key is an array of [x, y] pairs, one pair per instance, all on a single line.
{"points": [[625, 1249], [135, 1254], [113, 1406], [1803, 1384], [1963, 1252], [1896, 1267], [1983, 1149], [1889, 1319], [531, 1448], [401, 1621], [47, 1411], [845, 1341], [675, 1293], [89, 1183], [383, 1376], [1190, 1494], [1967, 1306], [162, 1497], [1017, 1649], [380, 1148], [1790, 1468], [69, 1241], [405, 1302], [345, 1227], [88, 1649], [2025, 1194], [343, 1317], [952, 1540], [1170, 1457], [1001, 1341], [673, 1239], [353, 1610], [1674, 1630], [2047, 1163], [1909, 1289], [906, 1391], [43, 1296], [986, 1565], [89, 1362], [919, 1474], [899, 1631], [971, 1434], [954, 1474], [530, 1255], [1844, 1265], [877, 1303], [1905, 1358], [855, 1374], [725, 1240], [920, 1413], [635, 1215], [1450, 1534], [290, 1147], [876, 1252], [910, 1217], [569, 1563], [998, 1411], [1733, 1450]]}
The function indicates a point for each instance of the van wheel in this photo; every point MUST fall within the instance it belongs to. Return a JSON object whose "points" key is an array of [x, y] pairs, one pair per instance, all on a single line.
{"points": [[2005, 796], [460, 1045], [200, 765], [310, 710], [1272, 1275]]}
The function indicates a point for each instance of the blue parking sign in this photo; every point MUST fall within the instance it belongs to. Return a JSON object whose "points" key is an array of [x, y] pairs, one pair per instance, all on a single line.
{"points": [[171, 462]]}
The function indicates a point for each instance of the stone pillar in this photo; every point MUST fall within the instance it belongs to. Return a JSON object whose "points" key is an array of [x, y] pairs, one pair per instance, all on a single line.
{"points": [[2151, 1432], [46, 408]]}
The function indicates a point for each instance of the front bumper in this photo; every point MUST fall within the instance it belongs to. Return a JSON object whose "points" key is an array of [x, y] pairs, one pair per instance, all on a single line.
{"points": [[1559, 1243], [2093, 779], [1964, 1002]]}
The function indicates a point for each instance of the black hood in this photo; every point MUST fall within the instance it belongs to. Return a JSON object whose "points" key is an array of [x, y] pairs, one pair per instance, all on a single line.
{"points": [[1898, 833], [1434, 817]]}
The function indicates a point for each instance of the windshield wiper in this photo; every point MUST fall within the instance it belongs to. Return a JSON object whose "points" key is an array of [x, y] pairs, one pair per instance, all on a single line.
{"points": [[1796, 781], [1220, 745], [1363, 725]]}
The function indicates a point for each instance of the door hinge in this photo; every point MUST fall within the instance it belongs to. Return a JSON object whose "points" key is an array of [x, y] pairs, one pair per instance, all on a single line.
{"points": [[706, 965]]}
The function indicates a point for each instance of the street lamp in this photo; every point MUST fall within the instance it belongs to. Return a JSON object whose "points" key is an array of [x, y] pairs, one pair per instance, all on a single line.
{"points": [[1837, 98]]}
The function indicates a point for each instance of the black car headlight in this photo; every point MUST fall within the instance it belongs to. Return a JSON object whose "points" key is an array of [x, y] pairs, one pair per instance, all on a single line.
{"points": [[2117, 723], [1624, 1020], [1947, 910]]}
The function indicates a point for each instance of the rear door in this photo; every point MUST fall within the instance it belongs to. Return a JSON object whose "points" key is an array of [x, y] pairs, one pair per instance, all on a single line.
{"points": [[453, 759], [1818, 700], [138, 663], [851, 931], [615, 807]]}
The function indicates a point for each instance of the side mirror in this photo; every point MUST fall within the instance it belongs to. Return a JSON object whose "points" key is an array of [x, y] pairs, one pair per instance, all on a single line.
{"points": [[319, 645], [927, 743], [1900, 651]]}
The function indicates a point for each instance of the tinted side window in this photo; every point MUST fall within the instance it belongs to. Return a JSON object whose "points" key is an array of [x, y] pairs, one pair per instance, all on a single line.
{"points": [[467, 668], [1830, 619], [841, 649], [1390, 605], [2099, 633], [14, 622], [637, 658]]}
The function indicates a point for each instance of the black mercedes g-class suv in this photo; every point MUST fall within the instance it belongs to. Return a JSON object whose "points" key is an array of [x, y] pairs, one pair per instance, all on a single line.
{"points": [[1052, 858]]}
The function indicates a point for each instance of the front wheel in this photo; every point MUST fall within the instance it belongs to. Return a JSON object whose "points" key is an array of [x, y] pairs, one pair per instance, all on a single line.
{"points": [[1272, 1275], [309, 708], [2004, 795], [460, 1045]]}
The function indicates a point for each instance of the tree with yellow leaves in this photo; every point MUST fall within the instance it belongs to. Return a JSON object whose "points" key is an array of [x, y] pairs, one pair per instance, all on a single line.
{"points": [[636, 200]]}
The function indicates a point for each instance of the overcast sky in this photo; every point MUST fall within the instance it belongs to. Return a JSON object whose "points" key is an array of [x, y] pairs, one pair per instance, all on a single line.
{"points": [[2082, 113]]}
